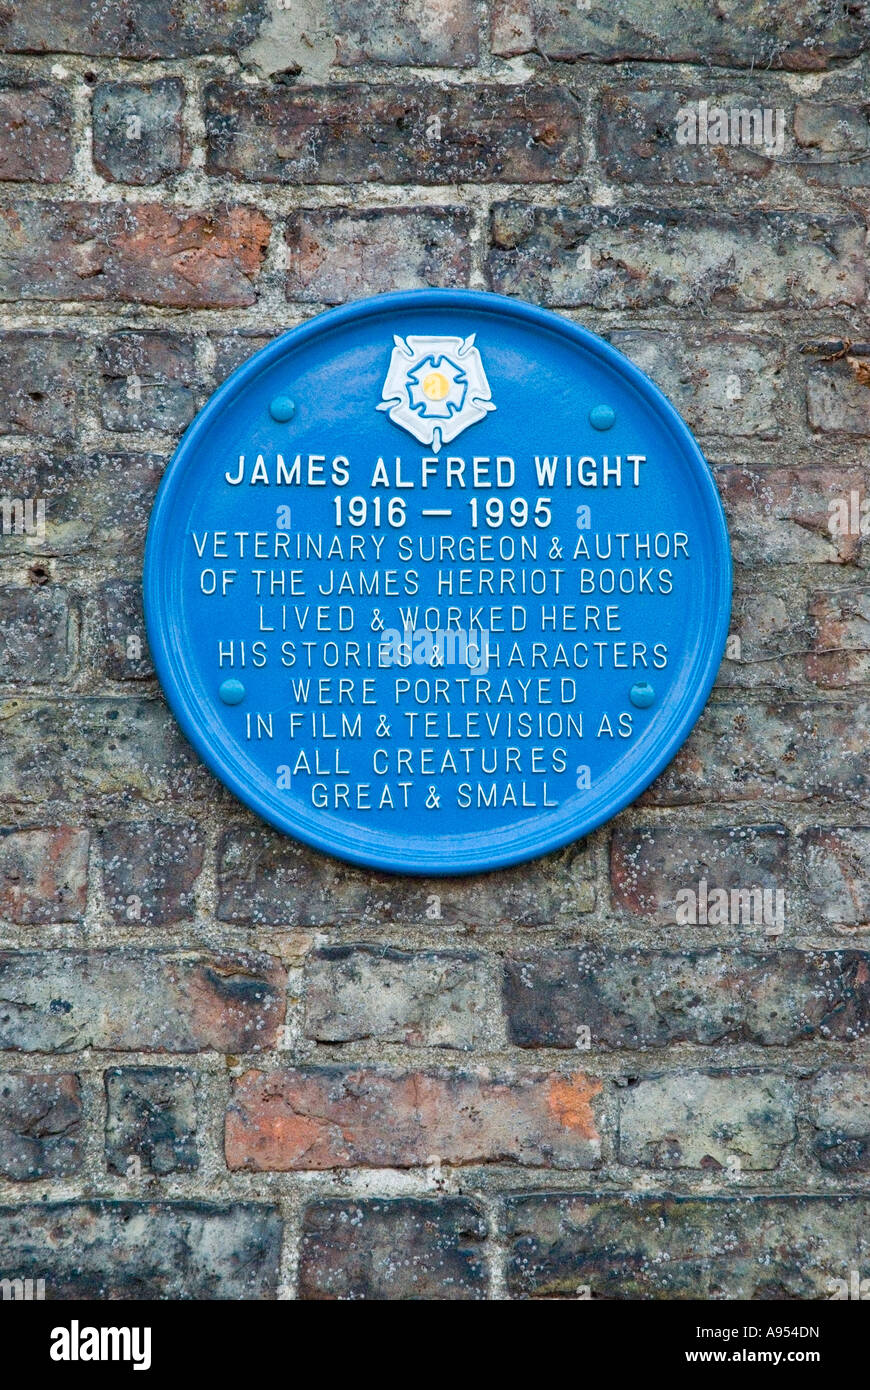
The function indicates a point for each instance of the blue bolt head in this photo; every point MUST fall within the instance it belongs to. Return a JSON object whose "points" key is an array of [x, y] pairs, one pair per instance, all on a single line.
{"points": [[601, 417], [282, 409], [232, 692], [642, 694]]}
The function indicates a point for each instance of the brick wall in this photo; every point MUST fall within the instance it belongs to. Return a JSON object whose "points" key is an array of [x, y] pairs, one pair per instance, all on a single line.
{"points": [[233, 1067]]}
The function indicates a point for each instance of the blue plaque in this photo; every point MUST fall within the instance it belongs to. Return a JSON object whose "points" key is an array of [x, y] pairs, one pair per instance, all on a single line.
{"points": [[437, 582]]}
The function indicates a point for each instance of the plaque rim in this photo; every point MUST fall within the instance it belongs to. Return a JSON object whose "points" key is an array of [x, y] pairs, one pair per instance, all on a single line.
{"points": [[162, 628]]}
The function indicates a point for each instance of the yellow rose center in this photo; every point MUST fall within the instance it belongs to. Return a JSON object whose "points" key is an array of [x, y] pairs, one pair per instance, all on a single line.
{"points": [[435, 386]]}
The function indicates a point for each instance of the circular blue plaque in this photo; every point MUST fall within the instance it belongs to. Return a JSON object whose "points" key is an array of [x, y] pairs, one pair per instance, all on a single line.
{"points": [[437, 582]]}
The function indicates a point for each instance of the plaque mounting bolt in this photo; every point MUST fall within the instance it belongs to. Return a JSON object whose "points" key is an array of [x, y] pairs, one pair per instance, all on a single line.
{"points": [[642, 694], [601, 417], [232, 692], [282, 409]]}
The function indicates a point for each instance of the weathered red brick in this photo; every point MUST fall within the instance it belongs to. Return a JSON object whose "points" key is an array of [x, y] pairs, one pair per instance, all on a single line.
{"points": [[35, 643], [40, 381], [836, 866], [649, 865], [419, 134], [838, 389], [836, 139], [149, 870], [840, 1112], [96, 502], [775, 750], [41, 1127], [130, 28], [140, 1001], [784, 515], [337, 254], [839, 654], [134, 748], [421, 998], [151, 1118], [626, 1246], [35, 131], [44, 875], [405, 1248], [335, 1117], [439, 33], [232, 349], [690, 1119], [721, 383], [769, 617], [636, 258], [267, 879], [144, 1250], [641, 999], [149, 381], [119, 623], [637, 136], [138, 130], [146, 253], [767, 34]]}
